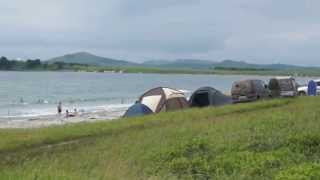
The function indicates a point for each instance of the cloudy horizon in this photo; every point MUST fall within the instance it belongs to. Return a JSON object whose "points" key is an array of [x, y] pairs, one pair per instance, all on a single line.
{"points": [[260, 31]]}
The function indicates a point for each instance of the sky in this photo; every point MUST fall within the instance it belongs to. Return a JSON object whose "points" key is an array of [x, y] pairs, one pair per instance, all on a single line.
{"points": [[256, 31]]}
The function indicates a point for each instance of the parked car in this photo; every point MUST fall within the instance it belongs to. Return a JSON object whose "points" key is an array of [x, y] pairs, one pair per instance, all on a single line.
{"points": [[287, 86], [249, 90], [303, 90]]}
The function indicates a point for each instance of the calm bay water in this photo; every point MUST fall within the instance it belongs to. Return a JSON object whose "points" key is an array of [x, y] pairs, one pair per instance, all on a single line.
{"points": [[28, 94]]}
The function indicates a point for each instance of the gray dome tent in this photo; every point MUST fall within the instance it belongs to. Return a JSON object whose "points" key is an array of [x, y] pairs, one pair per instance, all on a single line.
{"points": [[208, 96], [163, 99]]}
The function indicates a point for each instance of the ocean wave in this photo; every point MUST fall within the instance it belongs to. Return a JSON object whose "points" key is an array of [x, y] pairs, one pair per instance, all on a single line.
{"points": [[16, 103]]}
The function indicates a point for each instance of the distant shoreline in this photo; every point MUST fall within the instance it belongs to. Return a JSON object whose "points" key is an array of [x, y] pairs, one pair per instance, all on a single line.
{"points": [[37, 65], [296, 73]]}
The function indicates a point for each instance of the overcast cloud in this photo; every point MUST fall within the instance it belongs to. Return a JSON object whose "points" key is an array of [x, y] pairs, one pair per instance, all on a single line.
{"points": [[257, 31]]}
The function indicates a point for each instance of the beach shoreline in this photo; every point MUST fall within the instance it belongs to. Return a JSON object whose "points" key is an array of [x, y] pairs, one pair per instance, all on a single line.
{"points": [[50, 120]]}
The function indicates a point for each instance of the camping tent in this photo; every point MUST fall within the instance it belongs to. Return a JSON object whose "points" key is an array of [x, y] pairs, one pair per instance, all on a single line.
{"points": [[163, 99], [208, 96], [137, 110]]}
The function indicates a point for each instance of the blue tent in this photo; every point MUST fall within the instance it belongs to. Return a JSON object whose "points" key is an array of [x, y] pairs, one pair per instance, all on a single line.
{"points": [[138, 109], [312, 88]]}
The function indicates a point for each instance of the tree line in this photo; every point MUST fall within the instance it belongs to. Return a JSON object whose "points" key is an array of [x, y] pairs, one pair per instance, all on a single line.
{"points": [[36, 64], [240, 69]]}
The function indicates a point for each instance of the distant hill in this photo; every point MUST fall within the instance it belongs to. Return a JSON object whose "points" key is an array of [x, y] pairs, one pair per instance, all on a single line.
{"points": [[90, 59], [155, 62], [181, 63], [204, 64], [242, 64]]}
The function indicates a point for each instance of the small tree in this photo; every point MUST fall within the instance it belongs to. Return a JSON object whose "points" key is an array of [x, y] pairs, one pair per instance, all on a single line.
{"points": [[5, 63]]}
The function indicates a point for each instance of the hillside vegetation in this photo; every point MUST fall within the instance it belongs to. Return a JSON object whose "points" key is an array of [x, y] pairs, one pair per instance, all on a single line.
{"points": [[90, 59], [86, 62], [277, 139]]}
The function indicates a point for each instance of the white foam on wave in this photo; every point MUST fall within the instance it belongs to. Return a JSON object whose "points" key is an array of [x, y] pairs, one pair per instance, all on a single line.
{"points": [[29, 113], [113, 106]]}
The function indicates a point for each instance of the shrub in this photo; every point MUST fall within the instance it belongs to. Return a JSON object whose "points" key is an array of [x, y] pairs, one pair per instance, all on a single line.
{"points": [[191, 159], [249, 164], [301, 172], [308, 144]]}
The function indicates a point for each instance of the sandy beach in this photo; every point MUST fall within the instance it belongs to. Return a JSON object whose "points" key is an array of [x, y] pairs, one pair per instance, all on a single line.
{"points": [[49, 120]]}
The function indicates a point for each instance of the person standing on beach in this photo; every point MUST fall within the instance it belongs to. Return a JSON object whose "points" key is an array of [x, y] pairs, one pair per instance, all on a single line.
{"points": [[59, 108]]}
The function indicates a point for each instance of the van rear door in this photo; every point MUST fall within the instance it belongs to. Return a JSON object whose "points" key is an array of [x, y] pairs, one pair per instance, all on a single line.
{"points": [[241, 89]]}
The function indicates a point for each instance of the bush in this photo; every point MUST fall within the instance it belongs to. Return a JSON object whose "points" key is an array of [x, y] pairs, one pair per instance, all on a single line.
{"points": [[191, 160], [249, 164], [308, 144], [301, 172]]}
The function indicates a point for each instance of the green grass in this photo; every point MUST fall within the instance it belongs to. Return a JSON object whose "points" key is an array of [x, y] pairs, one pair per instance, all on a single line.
{"points": [[276, 139]]}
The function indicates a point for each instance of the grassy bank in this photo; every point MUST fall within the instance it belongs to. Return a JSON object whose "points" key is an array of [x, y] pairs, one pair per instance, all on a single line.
{"points": [[276, 139]]}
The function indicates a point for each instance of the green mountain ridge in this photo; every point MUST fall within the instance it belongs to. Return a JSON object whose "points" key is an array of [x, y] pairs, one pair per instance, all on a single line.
{"points": [[182, 63], [90, 59], [205, 64], [243, 64]]}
